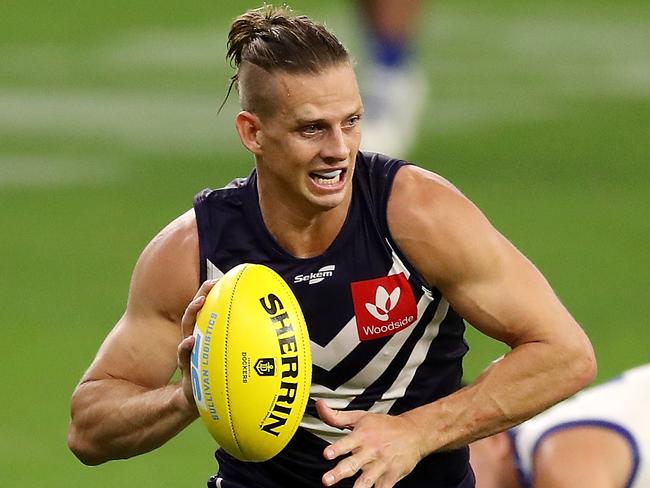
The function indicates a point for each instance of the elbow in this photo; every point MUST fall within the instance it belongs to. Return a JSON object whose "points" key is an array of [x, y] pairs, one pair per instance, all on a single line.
{"points": [[583, 364], [83, 449], [589, 368], [82, 439]]}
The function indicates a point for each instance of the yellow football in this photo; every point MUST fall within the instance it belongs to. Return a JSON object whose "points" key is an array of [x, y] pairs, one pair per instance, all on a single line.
{"points": [[251, 363]]}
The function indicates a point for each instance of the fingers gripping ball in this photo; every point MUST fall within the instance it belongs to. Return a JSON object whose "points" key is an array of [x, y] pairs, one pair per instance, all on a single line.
{"points": [[251, 363]]}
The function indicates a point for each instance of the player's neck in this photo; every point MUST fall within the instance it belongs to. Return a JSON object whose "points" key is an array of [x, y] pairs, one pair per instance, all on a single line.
{"points": [[301, 232]]}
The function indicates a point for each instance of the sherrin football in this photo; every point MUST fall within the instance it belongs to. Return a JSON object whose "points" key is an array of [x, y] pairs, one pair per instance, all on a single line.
{"points": [[251, 363]]}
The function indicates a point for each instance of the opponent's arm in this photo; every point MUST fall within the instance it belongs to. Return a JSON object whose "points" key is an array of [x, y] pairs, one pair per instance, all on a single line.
{"points": [[495, 288], [124, 404]]}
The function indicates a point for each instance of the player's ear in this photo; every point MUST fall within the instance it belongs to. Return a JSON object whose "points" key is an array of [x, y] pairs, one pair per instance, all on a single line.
{"points": [[248, 128]]}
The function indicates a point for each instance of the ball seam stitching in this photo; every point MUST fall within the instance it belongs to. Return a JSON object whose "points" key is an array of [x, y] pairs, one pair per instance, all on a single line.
{"points": [[225, 360]]}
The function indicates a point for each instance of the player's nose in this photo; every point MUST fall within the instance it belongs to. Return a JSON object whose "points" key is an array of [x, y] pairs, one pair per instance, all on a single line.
{"points": [[335, 146]]}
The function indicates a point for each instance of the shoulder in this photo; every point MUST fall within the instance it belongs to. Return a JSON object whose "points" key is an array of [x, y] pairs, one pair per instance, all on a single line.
{"points": [[172, 247], [436, 225], [175, 239], [420, 193], [166, 275]]}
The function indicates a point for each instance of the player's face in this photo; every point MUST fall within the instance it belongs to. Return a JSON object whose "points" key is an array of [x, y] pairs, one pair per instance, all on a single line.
{"points": [[308, 144]]}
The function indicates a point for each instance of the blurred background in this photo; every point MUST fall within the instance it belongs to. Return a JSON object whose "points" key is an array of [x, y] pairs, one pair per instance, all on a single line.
{"points": [[538, 111]]}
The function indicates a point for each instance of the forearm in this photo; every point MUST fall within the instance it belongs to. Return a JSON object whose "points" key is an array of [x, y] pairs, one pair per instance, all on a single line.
{"points": [[527, 380], [116, 419]]}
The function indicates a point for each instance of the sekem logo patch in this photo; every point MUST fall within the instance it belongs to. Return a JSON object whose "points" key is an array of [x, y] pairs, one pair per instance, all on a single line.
{"points": [[318, 276], [383, 306]]}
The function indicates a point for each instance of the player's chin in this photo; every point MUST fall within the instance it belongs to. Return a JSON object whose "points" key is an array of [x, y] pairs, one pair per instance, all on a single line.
{"points": [[323, 203], [327, 198]]}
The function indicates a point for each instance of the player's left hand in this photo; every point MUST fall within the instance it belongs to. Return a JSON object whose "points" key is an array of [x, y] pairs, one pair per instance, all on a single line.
{"points": [[384, 447]]}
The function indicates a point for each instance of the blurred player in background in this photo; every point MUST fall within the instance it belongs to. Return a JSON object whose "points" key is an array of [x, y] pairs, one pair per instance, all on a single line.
{"points": [[600, 438], [411, 257], [393, 84]]}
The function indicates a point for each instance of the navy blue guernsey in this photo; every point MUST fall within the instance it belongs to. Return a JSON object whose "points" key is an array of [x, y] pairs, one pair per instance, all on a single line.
{"points": [[381, 340]]}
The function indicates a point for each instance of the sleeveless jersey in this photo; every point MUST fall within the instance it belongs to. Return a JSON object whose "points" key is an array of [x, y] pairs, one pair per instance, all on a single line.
{"points": [[381, 341], [620, 404]]}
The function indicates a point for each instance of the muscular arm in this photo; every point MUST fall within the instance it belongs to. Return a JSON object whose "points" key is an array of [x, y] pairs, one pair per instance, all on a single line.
{"points": [[501, 293], [124, 404], [495, 288]]}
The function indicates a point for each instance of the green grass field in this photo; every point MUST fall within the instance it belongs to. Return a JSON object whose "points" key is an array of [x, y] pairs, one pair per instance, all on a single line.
{"points": [[539, 112]]}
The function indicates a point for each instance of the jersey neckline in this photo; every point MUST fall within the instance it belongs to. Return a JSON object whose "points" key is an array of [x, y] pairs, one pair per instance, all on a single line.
{"points": [[254, 214]]}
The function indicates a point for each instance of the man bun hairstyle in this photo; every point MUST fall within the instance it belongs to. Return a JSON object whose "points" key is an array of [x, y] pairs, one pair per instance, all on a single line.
{"points": [[275, 40]]}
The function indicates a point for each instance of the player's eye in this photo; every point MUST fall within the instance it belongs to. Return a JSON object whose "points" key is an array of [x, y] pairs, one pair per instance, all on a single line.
{"points": [[310, 129], [353, 121]]}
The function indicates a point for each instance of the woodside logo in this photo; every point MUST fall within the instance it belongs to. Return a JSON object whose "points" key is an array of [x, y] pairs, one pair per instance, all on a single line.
{"points": [[383, 306], [384, 303]]}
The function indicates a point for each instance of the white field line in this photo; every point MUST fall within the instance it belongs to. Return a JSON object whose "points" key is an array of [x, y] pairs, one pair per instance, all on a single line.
{"points": [[154, 121], [192, 50], [45, 171], [610, 56]]}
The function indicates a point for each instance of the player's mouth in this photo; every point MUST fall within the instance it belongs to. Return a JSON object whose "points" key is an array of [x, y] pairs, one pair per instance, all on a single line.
{"points": [[328, 179]]}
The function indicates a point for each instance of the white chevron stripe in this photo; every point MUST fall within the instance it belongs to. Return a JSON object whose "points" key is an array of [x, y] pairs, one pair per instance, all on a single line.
{"points": [[213, 273], [340, 398], [328, 356]]}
